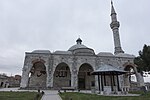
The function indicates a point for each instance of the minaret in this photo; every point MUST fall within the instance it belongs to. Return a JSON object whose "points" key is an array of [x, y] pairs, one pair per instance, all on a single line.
{"points": [[115, 28]]}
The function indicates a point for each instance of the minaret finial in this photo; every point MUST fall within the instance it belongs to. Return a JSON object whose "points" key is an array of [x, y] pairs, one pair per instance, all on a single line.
{"points": [[111, 2]]}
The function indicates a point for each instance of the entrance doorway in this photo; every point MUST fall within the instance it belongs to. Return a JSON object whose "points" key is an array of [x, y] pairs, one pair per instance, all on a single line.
{"points": [[85, 79], [81, 83]]}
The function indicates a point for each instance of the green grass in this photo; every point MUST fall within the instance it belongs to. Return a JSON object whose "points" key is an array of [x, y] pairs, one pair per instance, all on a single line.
{"points": [[18, 95], [83, 96]]}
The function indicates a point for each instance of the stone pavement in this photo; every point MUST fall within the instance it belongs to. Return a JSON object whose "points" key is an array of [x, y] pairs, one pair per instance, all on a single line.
{"points": [[49, 94]]}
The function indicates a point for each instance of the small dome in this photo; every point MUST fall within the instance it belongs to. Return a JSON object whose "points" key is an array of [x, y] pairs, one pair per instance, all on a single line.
{"points": [[125, 55], [62, 52], [41, 51], [105, 54], [79, 45]]}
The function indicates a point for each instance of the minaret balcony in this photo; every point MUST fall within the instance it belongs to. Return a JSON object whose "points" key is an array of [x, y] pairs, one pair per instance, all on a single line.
{"points": [[114, 24]]}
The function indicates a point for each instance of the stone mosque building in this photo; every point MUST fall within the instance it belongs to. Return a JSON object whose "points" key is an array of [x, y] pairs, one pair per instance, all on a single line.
{"points": [[73, 68]]}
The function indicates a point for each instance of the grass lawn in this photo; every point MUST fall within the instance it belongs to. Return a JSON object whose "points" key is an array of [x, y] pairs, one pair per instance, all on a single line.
{"points": [[18, 95], [83, 96]]}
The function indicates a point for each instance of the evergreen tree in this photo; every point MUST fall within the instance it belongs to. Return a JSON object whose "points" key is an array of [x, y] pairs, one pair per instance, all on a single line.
{"points": [[143, 60]]}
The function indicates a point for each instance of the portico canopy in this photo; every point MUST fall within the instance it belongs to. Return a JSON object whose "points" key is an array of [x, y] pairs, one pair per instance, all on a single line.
{"points": [[105, 69], [108, 69]]}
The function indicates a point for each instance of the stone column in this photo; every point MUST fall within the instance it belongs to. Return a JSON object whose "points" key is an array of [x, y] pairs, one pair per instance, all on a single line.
{"points": [[96, 82], [74, 78], [139, 77], [51, 69], [74, 73], [48, 72], [25, 75], [24, 79], [52, 76]]}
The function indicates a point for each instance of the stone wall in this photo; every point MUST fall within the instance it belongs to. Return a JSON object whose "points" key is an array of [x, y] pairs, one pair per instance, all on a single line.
{"points": [[74, 62]]}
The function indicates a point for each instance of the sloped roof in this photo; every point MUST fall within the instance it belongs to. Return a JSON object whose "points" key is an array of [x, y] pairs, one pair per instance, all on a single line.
{"points": [[105, 54], [125, 55], [108, 69], [41, 51]]}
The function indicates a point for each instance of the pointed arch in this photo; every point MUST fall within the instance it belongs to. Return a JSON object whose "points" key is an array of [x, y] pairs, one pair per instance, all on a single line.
{"points": [[61, 76], [85, 79], [37, 75], [132, 72]]}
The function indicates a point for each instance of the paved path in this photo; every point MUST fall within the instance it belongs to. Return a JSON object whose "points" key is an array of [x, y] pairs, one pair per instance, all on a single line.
{"points": [[49, 94]]}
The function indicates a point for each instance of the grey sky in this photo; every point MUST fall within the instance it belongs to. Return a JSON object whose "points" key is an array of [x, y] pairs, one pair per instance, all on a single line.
{"points": [[27, 25]]}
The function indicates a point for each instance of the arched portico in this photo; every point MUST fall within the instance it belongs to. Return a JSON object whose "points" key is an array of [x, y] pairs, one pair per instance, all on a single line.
{"points": [[37, 75], [85, 79], [62, 76], [132, 70]]}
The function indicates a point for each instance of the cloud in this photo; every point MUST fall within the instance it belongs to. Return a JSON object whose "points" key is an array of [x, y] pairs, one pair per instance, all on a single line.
{"points": [[27, 25]]}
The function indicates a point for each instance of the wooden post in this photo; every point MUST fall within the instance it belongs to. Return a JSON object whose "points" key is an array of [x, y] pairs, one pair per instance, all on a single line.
{"points": [[104, 79], [98, 83], [111, 82], [102, 82], [114, 82], [118, 83]]}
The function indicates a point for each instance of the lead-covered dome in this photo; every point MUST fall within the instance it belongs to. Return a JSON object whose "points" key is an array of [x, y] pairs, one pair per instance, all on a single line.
{"points": [[78, 45], [79, 48]]}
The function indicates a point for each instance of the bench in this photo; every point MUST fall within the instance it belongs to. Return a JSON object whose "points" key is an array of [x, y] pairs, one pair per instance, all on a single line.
{"points": [[67, 88]]}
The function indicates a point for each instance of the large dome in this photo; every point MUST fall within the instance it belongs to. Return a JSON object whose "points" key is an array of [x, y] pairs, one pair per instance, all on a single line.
{"points": [[81, 49], [79, 45]]}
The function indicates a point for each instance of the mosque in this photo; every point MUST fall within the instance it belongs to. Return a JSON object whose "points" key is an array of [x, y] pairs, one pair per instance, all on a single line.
{"points": [[72, 68]]}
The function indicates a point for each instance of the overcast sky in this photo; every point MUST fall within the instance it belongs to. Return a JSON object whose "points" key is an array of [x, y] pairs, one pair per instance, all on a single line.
{"points": [[27, 25]]}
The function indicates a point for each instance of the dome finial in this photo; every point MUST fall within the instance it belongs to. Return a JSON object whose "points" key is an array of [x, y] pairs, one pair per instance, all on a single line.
{"points": [[79, 41]]}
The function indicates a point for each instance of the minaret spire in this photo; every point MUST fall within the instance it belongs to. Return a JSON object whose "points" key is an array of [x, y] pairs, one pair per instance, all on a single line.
{"points": [[112, 8], [115, 28]]}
